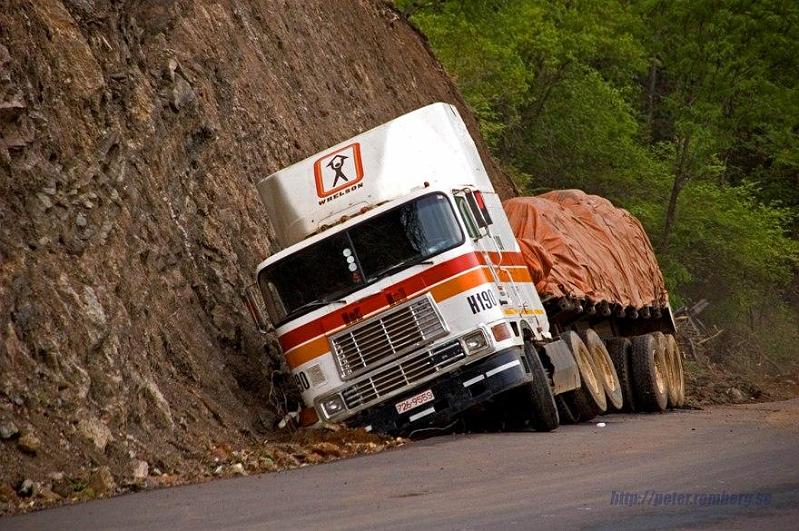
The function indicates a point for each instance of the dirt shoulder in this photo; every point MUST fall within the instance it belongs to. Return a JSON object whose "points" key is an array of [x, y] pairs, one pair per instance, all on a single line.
{"points": [[283, 450]]}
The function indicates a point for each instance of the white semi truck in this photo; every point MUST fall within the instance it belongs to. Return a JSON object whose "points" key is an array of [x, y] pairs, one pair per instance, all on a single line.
{"points": [[401, 300]]}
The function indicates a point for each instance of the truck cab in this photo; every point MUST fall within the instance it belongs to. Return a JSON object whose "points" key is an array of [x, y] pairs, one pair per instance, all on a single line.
{"points": [[400, 298]]}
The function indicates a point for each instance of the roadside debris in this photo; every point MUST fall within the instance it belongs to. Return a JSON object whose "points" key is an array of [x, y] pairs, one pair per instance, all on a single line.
{"points": [[283, 450]]}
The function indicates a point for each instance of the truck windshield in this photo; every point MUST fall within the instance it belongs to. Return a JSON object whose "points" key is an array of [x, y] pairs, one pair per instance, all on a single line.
{"points": [[349, 260]]}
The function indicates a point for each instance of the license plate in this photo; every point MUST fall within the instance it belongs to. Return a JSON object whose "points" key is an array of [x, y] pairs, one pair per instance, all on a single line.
{"points": [[415, 401]]}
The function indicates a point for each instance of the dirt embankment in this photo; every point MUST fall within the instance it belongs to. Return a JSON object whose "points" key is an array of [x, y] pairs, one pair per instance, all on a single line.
{"points": [[130, 137]]}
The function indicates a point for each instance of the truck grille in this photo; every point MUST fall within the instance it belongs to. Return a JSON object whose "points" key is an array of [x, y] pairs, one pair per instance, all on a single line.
{"points": [[386, 336], [399, 376]]}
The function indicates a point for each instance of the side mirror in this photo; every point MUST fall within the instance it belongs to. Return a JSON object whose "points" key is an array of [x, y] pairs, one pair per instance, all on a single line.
{"points": [[255, 305], [479, 209]]}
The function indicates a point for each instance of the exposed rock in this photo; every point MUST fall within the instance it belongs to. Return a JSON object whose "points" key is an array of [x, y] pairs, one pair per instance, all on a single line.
{"points": [[5, 57], [140, 470], [182, 94], [237, 469], [736, 395], [47, 204], [8, 430], [9, 110], [25, 488], [131, 310], [102, 481], [96, 431], [29, 443]]}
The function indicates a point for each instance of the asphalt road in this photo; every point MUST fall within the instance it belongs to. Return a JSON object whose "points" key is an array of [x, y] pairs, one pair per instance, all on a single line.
{"points": [[564, 479]]}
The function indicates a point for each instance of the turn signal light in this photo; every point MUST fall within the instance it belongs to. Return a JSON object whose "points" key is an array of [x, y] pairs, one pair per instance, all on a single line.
{"points": [[501, 331]]}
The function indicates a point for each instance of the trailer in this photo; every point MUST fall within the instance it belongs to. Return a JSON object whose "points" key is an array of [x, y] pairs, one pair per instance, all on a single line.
{"points": [[404, 299]]}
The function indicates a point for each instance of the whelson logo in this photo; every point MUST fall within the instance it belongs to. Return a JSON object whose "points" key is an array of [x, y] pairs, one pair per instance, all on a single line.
{"points": [[338, 173], [341, 193]]}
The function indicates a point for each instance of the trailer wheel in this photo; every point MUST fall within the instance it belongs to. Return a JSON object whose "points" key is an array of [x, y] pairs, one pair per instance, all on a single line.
{"points": [[649, 373], [605, 370], [564, 411], [619, 349], [588, 400], [674, 358], [660, 339]]}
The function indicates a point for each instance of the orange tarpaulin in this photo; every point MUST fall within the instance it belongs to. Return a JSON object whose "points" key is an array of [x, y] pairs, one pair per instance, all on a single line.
{"points": [[580, 245]]}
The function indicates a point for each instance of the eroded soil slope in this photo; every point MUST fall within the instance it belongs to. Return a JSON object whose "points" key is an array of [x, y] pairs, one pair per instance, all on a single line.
{"points": [[131, 135]]}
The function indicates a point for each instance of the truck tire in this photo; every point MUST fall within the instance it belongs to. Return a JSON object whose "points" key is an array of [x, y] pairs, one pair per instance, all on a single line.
{"points": [[564, 412], [674, 358], [619, 349], [660, 339], [588, 400], [532, 404], [605, 370], [544, 410], [648, 369]]}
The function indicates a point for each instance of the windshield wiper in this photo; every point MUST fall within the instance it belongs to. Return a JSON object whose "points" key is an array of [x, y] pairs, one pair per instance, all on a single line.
{"points": [[400, 266], [316, 304]]}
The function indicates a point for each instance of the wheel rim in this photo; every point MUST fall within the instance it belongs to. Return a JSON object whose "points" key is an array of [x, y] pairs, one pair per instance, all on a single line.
{"points": [[679, 378], [659, 381], [606, 371], [587, 372]]}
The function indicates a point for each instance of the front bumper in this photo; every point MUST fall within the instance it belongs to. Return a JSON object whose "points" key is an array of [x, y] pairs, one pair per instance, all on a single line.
{"points": [[454, 393]]}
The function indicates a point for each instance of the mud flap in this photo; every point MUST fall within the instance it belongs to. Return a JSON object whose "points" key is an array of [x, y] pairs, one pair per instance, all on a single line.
{"points": [[566, 375]]}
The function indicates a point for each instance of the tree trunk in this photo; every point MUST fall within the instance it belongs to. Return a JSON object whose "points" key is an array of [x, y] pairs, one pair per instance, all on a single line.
{"points": [[681, 178]]}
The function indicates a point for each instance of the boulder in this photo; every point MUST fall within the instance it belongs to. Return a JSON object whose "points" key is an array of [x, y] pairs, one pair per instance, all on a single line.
{"points": [[8, 430], [102, 481], [29, 443]]}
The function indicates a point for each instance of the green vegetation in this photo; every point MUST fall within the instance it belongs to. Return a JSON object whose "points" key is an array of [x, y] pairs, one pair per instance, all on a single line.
{"points": [[685, 112]]}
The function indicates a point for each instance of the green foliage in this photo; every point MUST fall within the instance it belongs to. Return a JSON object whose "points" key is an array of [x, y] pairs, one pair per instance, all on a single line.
{"points": [[686, 112]]}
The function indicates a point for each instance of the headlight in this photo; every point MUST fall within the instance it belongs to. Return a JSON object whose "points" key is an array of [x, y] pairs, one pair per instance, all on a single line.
{"points": [[333, 405], [475, 341]]}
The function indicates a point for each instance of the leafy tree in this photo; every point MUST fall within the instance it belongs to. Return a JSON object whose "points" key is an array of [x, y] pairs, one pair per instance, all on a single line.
{"points": [[686, 112]]}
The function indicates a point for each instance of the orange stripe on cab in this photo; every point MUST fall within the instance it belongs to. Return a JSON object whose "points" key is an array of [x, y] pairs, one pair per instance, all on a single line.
{"points": [[517, 274], [459, 284], [447, 289], [307, 352]]}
